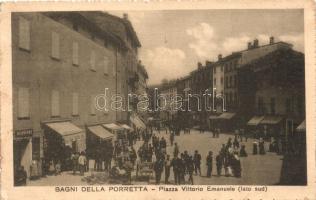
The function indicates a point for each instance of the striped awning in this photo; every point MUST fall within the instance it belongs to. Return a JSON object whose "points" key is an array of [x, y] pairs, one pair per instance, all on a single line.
{"points": [[271, 120], [64, 128], [101, 132], [127, 127], [137, 122]]}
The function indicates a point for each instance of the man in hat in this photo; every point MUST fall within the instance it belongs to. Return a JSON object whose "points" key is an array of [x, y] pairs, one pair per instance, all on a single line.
{"points": [[209, 163]]}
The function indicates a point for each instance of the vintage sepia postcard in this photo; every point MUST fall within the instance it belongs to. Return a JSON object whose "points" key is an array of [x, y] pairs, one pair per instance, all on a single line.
{"points": [[158, 100]]}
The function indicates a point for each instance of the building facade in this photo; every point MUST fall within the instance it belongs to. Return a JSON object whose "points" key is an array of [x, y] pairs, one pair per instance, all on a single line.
{"points": [[61, 62]]}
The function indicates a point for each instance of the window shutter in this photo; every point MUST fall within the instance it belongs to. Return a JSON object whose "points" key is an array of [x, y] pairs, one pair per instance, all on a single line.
{"points": [[92, 107], [113, 69], [55, 103], [23, 103], [106, 63], [92, 60], [24, 33], [55, 45], [75, 53], [75, 103]]}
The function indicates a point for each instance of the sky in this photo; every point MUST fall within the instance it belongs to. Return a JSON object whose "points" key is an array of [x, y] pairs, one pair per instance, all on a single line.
{"points": [[174, 41]]}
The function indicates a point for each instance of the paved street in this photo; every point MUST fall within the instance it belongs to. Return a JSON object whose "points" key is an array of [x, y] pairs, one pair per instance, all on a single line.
{"points": [[256, 169]]}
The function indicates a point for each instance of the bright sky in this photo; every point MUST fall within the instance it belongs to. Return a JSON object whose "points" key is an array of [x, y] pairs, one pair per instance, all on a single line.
{"points": [[174, 41]]}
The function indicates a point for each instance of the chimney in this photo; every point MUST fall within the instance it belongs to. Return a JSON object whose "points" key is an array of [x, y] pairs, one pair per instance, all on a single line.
{"points": [[249, 45], [199, 65], [219, 57], [256, 43], [271, 40], [125, 16]]}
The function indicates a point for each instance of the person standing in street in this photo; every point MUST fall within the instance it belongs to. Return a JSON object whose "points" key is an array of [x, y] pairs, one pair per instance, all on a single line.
{"points": [[209, 163], [219, 164], [190, 168], [158, 168], [74, 159], [82, 162], [197, 162], [176, 150], [171, 137], [167, 169], [175, 163]]}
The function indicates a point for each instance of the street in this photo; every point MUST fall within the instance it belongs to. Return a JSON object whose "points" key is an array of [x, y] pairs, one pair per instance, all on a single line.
{"points": [[256, 169]]}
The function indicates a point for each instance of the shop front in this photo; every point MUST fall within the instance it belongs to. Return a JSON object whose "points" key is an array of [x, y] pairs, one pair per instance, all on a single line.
{"points": [[227, 121], [61, 139], [252, 128], [22, 149], [99, 146]]}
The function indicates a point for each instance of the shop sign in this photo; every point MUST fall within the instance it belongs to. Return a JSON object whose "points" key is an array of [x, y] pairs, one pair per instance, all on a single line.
{"points": [[23, 134]]}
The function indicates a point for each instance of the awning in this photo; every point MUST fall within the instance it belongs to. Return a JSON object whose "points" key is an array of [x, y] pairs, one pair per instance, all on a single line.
{"points": [[255, 120], [113, 126], [302, 127], [137, 122], [125, 126], [70, 133], [271, 120], [101, 132], [213, 117], [64, 128], [226, 115]]}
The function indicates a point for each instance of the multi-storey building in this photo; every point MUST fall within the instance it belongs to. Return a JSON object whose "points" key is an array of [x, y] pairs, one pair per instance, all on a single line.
{"points": [[61, 62]]}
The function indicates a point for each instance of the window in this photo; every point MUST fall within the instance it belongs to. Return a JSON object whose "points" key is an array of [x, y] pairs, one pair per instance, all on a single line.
{"points": [[24, 34], [214, 70], [75, 53], [260, 105], [75, 104], [214, 81], [23, 103], [222, 68], [92, 61], [55, 103], [289, 105], [222, 80], [235, 80], [230, 82], [106, 65], [55, 45], [272, 105], [113, 69], [36, 148], [92, 106], [226, 82]]}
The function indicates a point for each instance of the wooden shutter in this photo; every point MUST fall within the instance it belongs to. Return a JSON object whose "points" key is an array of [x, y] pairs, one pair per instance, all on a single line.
{"points": [[55, 103], [55, 45], [92, 61], [23, 103], [75, 53], [105, 65], [24, 33], [75, 103], [92, 106]]}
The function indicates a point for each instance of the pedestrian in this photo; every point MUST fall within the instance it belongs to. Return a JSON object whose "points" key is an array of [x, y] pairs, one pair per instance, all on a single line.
{"points": [[209, 163], [171, 138], [20, 176], [261, 147], [167, 169], [190, 168], [182, 169], [175, 150], [175, 163], [82, 162], [229, 143], [236, 166], [243, 152], [219, 164], [236, 143], [255, 148], [57, 168], [158, 168], [197, 162]]}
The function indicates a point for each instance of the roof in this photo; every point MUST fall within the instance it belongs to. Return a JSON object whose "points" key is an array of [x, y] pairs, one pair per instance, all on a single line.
{"points": [[64, 128], [101, 132]]}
